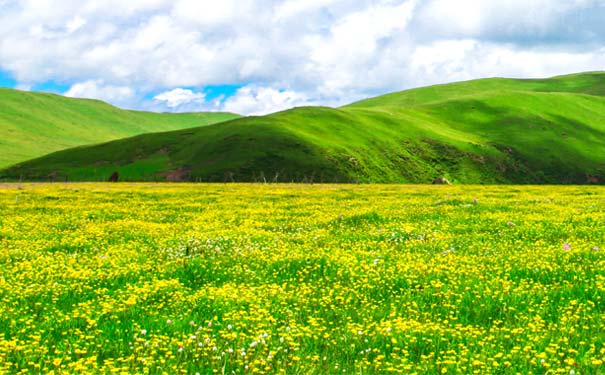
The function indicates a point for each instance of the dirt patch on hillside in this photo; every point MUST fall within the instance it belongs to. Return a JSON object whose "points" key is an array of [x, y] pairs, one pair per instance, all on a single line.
{"points": [[177, 175], [593, 179]]}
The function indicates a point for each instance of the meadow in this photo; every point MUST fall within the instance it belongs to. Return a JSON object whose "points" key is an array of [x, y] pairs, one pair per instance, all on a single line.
{"points": [[301, 279]]}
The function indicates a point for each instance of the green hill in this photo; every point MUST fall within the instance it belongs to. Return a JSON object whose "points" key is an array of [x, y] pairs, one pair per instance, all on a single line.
{"points": [[35, 124], [483, 131]]}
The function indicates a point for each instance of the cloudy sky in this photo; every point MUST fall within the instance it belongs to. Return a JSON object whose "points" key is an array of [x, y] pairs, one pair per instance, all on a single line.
{"points": [[260, 56]]}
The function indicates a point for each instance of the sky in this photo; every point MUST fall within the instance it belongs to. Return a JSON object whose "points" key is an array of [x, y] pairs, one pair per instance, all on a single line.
{"points": [[260, 56]]}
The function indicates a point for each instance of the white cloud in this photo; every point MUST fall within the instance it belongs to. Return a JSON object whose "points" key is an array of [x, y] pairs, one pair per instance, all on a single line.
{"points": [[97, 89], [518, 20], [252, 100], [179, 97], [284, 52], [75, 24], [23, 87], [293, 8], [356, 43], [467, 59], [211, 13]]}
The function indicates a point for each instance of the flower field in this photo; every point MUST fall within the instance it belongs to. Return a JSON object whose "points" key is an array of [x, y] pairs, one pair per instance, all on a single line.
{"points": [[298, 279]]}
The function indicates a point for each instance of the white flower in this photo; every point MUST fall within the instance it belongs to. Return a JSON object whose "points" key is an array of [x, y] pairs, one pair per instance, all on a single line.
{"points": [[143, 332], [376, 261], [229, 327], [181, 349], [168, 321], [572, 372], [288, 329]]}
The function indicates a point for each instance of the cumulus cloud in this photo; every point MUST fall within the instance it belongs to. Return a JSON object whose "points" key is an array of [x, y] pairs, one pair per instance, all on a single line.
{"points": [[75, 24], [517, 21], [284, 52], [467, 59], [97, 89], [180, 97], [346, 56], [288, 9], [253, 100]]}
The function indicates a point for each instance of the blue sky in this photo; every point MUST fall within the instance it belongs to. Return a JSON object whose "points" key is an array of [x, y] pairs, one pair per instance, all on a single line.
{"points": [[211, 92], [6, 80], [260, 56]]}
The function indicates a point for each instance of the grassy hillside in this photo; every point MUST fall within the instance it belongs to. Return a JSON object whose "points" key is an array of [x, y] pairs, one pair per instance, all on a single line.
{"points": [[483, 131], [35, 124]]}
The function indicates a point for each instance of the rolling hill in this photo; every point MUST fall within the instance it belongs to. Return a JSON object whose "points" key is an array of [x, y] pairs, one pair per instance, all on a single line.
{"points": [[35, 124], [483, 131]]}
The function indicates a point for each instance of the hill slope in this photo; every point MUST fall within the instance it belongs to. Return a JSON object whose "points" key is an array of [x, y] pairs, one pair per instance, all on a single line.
{"points": [[35, 124], [483, 131]]}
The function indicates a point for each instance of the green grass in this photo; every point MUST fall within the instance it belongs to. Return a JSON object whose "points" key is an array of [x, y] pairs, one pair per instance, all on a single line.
{"points": [[35, 124], [483, 131]]}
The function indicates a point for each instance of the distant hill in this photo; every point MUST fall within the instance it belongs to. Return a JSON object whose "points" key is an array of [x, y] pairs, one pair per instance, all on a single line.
{"points": [[35, 124], [483, 131]]}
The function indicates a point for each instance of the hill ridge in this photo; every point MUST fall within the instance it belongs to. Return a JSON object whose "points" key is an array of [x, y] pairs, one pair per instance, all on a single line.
{"points": [[483, 131], [34, 124]]}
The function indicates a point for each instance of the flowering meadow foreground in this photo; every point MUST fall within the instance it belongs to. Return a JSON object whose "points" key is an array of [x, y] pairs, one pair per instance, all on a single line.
{"points": [[280, 279]]}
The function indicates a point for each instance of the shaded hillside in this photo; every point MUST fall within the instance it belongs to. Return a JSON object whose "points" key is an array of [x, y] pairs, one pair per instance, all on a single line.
{"points": [[35, 124], [483, 131]]}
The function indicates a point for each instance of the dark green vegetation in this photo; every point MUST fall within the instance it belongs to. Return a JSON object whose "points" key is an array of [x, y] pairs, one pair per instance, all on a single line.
{"points": [[483, 131], [35, 124]]}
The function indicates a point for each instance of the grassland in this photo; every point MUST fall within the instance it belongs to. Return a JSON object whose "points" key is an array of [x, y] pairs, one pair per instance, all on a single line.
{"points": [[485, 131], [35, 124], [299, 279]]}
